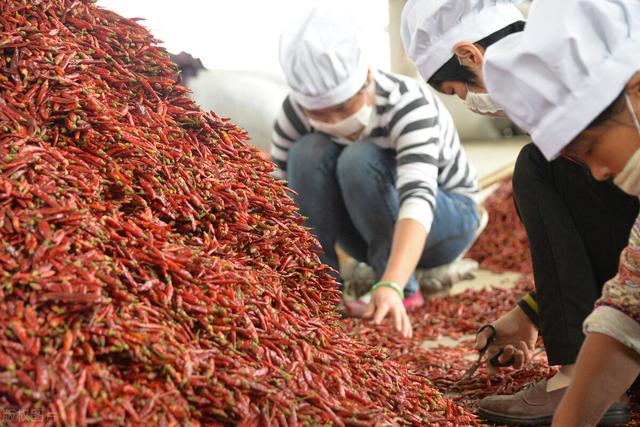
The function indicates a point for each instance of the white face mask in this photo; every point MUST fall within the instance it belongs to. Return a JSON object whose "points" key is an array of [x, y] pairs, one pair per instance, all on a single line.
{"points": [[347, 127], [482, 103], [629, 178]]}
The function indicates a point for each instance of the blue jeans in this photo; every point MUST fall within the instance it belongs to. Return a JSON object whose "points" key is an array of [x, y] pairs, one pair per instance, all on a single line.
{"points": [[349, 196]]}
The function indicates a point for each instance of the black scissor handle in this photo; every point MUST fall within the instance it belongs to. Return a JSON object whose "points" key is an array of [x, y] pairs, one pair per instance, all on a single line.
{"points": [[494, 360], [491, 338], [497, 363]]}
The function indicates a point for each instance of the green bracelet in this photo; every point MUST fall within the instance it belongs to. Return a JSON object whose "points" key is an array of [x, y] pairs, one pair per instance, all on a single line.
{"points": [[391, 285]]}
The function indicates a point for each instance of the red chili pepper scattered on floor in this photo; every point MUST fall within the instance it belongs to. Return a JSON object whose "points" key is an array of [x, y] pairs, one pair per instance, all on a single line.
{"points": [[151, 270], [503, 246], [459, 317]]}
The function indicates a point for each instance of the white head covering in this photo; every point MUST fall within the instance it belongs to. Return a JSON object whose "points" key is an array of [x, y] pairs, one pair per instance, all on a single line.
{"points": [[573, 59], [431, 28], [322, 58]]}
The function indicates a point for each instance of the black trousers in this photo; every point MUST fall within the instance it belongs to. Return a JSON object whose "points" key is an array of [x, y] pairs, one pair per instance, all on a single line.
{"points": [[577, 227]]}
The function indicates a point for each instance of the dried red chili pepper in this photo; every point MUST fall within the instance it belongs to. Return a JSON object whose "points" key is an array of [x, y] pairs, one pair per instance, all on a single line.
{"points": [[150, 266], [503, 246]]}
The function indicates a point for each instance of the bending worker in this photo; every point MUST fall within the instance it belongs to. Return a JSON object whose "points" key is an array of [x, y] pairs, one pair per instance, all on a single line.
{"points": [[588, 109], [577, 226]]}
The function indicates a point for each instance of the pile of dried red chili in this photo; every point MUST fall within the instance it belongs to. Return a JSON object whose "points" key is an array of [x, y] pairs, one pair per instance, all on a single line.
{"points": [[503, 246], [152, 272]]}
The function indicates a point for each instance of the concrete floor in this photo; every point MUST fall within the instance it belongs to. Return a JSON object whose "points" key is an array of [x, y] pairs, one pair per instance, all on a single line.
{"points": [[490, 156], [486, 279]]}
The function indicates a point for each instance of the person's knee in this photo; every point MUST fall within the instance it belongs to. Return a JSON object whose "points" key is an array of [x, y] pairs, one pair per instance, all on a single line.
{"points": [[357, 161], [310, 148]]}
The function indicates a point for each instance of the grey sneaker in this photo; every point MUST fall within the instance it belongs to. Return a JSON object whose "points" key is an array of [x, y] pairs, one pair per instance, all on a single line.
{"points": [[358, 277], [445, 276]]}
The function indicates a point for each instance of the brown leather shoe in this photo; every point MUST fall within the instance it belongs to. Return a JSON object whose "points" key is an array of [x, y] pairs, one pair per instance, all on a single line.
{"points": [[533, 405]]}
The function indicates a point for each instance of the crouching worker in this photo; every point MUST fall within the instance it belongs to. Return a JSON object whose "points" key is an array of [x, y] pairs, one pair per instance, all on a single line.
{"points": [[375, 161], [577, 67], [577, 226]]}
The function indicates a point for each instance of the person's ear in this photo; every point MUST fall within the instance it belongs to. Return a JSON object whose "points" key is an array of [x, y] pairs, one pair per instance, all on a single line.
{"points": [[469, 54], [370, 95], [633, 85], [633, 91]]}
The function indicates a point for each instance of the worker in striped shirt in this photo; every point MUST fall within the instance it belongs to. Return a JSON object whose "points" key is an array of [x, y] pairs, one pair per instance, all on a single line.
{"points": [[375, 162]]}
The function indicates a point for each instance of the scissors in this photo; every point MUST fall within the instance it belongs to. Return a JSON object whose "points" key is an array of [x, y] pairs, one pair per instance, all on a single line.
{"points": [[481, 359]]}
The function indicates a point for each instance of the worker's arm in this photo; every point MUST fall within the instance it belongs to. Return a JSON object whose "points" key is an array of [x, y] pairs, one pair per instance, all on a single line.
{"points": [[605, 370], [609, 360], [408, 243], [416, 133]]}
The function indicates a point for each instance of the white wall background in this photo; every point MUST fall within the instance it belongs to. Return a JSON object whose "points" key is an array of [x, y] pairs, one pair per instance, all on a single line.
{"points": [[243, 34], [237, 40]]}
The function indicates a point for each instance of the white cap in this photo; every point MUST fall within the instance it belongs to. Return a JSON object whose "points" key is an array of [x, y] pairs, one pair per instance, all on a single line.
{"points": [[431, 28], [573, 59], [322, 58]]}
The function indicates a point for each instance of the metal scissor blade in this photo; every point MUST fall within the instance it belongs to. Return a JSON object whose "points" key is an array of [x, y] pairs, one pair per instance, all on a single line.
{"points": [[481, 359], [469, 373]]}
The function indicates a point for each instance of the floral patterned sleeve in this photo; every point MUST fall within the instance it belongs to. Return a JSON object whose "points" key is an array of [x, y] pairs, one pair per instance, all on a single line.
{"points": [[617, 312]]}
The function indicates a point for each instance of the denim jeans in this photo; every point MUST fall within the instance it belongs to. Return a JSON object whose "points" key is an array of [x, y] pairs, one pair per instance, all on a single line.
{"points": [[349, 196]]}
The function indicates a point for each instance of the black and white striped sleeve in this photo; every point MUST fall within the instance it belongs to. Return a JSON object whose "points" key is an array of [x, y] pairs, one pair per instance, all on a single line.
{"points": [[290, 125], [415, 128]]}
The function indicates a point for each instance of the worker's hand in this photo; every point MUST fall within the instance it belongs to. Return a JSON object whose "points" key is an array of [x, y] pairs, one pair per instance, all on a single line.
{"points": [[386, 301], [516, 334]]}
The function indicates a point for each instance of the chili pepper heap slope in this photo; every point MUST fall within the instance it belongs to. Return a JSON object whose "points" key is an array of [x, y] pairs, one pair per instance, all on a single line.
{"points": [[504, 245], [151, 269]]}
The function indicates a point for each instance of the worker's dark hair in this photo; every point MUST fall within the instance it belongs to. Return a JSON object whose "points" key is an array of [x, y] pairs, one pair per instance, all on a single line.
{"points": [[579, 146], [616, 106], [453, 71]]}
